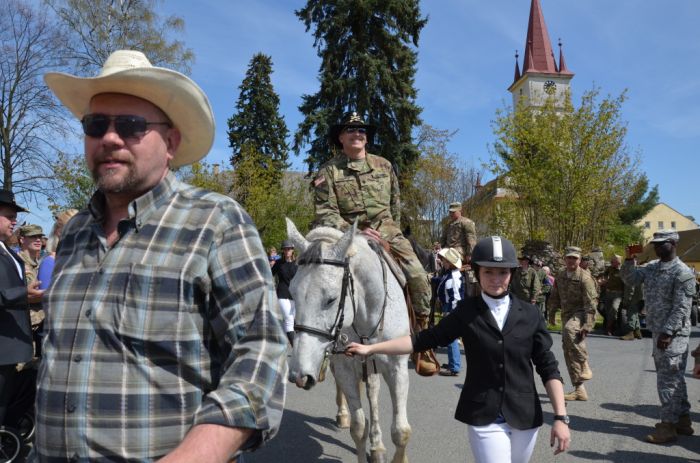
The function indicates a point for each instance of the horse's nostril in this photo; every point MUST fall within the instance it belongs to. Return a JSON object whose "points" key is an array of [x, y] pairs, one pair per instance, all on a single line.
{"points": [[309, 382]]}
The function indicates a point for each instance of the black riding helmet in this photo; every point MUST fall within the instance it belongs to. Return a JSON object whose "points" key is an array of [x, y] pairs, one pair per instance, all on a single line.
{"points": [[494, 251]]}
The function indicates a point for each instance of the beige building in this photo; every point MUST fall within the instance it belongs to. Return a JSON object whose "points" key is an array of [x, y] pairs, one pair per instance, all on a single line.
{"points": [[663, 217]]}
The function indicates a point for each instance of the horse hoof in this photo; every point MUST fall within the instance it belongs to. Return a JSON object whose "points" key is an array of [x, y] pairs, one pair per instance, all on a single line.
{"points": [[342, 421], [377, 456]]}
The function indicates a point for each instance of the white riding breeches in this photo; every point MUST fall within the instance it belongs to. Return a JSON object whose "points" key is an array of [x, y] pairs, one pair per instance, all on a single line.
{"points": [[288, 311], [500, 443]]}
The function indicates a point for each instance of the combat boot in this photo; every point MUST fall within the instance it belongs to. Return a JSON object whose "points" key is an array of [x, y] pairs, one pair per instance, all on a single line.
{"points": [[577, 394], [664, 432], [683, 426], [629, 336], [587, 373], [638, 333]]}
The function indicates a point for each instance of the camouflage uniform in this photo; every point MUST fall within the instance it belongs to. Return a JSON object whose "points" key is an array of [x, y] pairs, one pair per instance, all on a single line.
{"points": [[367, 190], [575, 294], [668, 291], [31, 269], [526, 284], [614, 289], [632, 300], [460, 234], [545, 290]]}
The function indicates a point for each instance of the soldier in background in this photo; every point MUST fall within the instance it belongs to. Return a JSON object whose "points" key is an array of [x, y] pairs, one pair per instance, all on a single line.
{"points": [[357, 185], [526, 283], [632, 303], [30, 240], [614, 291], [460, 233], [669, 287], [574, 293]]}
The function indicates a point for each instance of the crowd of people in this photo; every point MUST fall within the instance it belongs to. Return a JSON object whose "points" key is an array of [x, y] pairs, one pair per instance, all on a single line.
{"points": [[156, 329]]}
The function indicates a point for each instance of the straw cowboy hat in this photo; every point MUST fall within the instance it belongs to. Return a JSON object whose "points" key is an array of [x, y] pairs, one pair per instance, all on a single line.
{"points": [[129, 72], [452, 256]]}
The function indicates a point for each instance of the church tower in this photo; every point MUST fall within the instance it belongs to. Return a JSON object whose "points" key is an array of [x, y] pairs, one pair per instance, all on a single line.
{"points": [[541, 76]]}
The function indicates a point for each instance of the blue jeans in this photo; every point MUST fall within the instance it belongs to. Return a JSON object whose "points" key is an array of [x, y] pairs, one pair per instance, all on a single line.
{"points": [[454, 357]]}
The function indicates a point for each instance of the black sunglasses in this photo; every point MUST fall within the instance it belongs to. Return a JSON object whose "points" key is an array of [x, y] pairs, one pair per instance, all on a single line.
{"points": [[126, 126], [355, 129]]}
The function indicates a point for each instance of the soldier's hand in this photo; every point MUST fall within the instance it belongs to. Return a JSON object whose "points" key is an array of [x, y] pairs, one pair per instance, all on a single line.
{"points": [[372, 234], [33, 291], [582, 334], [663, 341]]}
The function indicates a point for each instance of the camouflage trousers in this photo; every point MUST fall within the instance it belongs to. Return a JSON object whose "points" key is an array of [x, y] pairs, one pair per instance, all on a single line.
{"points": [[416, 277], [631, 317], [670, 378], [575, 350]]}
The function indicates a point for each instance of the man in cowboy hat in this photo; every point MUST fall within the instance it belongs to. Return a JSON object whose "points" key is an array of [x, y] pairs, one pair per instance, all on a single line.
{"points": [[669, 286], [357, 185], [16, 388], [574, 293], [165, 339]]}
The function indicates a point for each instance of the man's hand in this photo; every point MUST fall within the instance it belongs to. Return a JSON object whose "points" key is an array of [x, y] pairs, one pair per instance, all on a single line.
{"points": [[664, 341], [582, 334], [34, 294], [372, 234]]}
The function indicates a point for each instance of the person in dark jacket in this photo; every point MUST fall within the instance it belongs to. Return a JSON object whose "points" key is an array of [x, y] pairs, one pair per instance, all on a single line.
{"points": [[284, 269], [503, 338]]}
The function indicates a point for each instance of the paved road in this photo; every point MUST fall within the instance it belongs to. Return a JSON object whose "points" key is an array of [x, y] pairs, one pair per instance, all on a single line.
{"points": [[610, 427]]}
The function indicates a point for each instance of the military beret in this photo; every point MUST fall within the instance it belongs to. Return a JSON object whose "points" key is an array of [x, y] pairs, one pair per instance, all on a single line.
{"points": [[665, 235], [31, 230]]}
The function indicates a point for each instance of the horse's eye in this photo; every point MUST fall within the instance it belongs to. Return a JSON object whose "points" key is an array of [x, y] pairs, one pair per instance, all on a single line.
{"points": [[331, 301]]}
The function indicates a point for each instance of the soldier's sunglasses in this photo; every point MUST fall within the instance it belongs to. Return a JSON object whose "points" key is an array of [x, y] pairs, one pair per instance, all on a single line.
{"points": [[126, 126], [355, 129]]}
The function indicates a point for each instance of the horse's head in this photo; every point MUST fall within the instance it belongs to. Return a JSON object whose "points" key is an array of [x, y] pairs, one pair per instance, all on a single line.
{"points": [[316, 290]]}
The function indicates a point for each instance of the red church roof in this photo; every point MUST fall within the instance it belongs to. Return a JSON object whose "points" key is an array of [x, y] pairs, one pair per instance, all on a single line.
{"points": [[539, 56]]}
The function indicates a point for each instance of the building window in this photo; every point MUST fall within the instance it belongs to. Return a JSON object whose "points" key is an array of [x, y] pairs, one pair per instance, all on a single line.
{"points": [[673, 225], [661, 224], [647, 224]]}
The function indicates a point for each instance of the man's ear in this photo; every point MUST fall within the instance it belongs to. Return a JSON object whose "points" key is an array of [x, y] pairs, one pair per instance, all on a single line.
{"points": [[172, 141]]}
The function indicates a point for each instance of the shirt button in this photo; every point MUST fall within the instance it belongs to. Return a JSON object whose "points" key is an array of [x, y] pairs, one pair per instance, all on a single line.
{"points": [[78, 358], [500, 365], [70, 408], [88, 312], [101, 271], [74, 457], [500, 341], [500, 389]]}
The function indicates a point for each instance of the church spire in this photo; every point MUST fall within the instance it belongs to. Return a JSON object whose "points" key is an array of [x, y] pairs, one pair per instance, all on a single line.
{"points": [[517, 68], [562, 63], [538, 49]]}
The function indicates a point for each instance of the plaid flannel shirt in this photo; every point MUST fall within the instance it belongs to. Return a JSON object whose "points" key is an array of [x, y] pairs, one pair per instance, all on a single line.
{"points": [[176, 324]]}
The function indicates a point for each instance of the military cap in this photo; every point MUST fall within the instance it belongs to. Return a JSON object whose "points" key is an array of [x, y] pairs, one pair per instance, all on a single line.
{"points": [[456, 206], [7, 198], [665, 235], [31, 230], [587, 258], [351, 119], [573, 251]]}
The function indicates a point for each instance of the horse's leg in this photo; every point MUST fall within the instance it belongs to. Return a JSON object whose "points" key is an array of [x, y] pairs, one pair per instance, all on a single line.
{"points": [[342, 418], [377, 451], [350, 386], [396, 377]]}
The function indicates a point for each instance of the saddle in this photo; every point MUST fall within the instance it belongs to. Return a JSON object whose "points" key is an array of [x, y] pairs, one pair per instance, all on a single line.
{"points": [[426, 363]]}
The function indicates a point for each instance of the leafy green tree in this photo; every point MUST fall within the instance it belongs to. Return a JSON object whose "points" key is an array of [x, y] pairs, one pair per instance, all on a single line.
{"points": [[257, 122], [207, 176], [638, 203], [30, 119], [99, 27], [77, 185], [570, 167], [368, 64]]}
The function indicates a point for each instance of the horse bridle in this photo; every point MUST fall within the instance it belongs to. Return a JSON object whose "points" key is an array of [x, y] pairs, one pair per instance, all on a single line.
{"points": [[334, 335]]}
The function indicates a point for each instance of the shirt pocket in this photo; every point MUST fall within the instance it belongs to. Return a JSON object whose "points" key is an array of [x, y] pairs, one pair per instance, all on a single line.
{"points": [[159, 304], [348, 195]]}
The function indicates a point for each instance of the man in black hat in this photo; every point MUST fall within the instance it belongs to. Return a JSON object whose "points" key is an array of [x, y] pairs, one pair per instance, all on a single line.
{"points": [[15, 328], [357, 185]]}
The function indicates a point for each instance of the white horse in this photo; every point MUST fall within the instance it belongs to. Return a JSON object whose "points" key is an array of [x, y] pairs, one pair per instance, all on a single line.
{"points": [[345, 292]]}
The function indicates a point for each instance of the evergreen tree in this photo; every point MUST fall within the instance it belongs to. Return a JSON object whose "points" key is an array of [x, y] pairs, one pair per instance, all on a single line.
{"points": [[367, 65], [257, 123]]}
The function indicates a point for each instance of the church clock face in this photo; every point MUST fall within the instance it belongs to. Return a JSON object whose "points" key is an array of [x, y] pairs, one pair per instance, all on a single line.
{"points": [[550, 87]]}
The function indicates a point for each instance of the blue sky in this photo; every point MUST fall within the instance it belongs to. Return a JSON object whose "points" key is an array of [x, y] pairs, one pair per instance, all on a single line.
{"points": [[466, 63]]}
